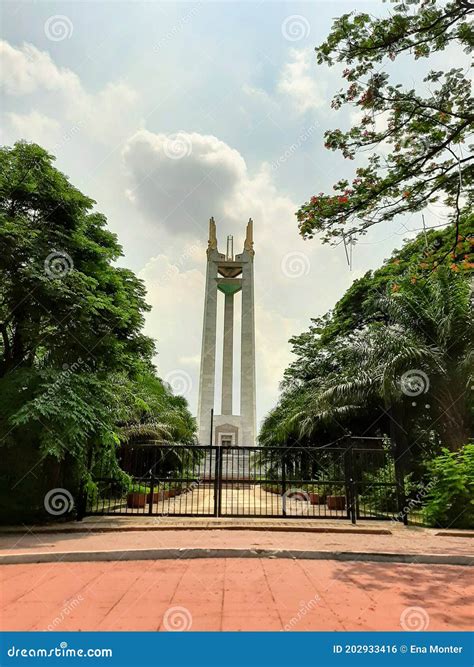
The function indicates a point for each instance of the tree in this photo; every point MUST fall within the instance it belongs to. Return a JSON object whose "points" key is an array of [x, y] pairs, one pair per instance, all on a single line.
{"points": [[360, 369], [359, 306], [76, 376], [418, 364], [424, 134]]}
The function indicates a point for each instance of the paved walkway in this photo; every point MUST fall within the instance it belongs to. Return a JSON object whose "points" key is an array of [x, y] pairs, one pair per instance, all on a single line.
{"points": [[242, 499], [402, 540], [232, 594]]}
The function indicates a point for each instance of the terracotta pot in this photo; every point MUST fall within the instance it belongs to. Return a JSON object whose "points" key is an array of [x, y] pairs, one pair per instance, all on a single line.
{"points": [[136, 499], [336, 502], [314, 498], [157, 496]]}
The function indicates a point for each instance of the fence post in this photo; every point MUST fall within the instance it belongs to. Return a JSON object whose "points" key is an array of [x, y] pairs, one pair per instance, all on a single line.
{"points": [[150, 498], [400, 482], [350, 485], [217, 480], [283, 485]]}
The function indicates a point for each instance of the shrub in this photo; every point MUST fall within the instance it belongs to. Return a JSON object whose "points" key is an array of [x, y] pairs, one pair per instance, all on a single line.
{"points": [[450, 501]]}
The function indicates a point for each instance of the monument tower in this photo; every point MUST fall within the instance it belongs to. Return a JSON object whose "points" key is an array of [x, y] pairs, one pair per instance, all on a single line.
{"points": [[229, 275]]}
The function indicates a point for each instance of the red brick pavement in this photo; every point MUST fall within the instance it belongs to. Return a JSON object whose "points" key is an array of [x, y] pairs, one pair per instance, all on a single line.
{"points": [[233, 594]]}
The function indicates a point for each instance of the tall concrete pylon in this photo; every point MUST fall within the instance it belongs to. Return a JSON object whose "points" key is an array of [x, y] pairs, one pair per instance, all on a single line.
{"points": [[229, 275]]}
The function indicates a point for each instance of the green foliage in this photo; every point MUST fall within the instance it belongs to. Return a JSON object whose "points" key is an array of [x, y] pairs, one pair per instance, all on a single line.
{"points": [[423, 133], [76, 377], [450, 502], [349, 368]]}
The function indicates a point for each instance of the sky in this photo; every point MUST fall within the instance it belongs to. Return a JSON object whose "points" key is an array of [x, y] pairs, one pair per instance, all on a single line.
{"points": [[167, 113]]}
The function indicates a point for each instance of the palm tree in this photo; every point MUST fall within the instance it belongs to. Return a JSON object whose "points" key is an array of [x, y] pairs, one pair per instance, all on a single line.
{"points": [[421, 358]]}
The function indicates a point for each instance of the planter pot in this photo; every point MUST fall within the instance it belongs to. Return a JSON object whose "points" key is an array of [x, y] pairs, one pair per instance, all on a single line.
{"points": [[157, 496], [314, 498], [136, 500], [336, 502]]}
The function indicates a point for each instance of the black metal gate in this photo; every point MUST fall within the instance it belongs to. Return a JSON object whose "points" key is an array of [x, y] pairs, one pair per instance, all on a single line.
{"points": [[354, 480]]}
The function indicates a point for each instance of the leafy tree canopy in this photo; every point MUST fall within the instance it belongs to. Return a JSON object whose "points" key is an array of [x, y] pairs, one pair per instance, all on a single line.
{"points": [[414, 144], [76, 376]]}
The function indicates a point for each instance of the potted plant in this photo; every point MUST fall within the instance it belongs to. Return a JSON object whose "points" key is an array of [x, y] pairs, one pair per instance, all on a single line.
{"points": [[137, 496], [335, 499], [157, 496], [313, 497]]}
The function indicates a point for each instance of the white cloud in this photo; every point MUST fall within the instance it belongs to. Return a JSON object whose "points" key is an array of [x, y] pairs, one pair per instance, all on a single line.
{"points": [[63, 100], [180, 180], [28, 70], [299, 81], [34, 126]]}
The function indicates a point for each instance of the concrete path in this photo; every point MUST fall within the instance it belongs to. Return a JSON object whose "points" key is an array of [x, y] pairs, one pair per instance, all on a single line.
{"points": [[233, 594], [414, 541]]}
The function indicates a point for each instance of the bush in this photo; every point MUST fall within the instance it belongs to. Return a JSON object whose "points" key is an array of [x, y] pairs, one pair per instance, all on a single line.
{"points": [[450, 501]]}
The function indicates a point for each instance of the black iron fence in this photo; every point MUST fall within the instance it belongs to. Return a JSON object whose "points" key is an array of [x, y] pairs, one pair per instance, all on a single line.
{"points": [[355, 479]]}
